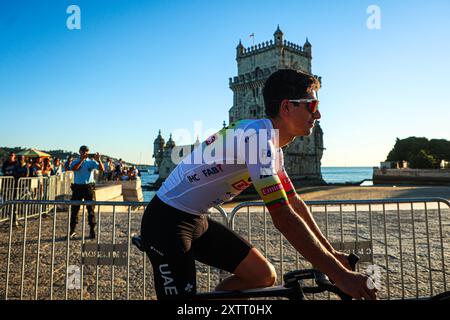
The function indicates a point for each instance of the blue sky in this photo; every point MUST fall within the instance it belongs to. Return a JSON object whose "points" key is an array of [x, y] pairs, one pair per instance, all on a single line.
{"points": [[139, 66]]}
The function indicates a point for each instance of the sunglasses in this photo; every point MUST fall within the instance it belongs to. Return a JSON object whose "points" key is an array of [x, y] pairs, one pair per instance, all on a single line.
{"points": [[312, 104]]}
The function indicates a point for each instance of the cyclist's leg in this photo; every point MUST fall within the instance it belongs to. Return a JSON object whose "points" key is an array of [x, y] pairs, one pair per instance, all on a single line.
{"points": [[167, 235], [174, 273], [223, 248]]}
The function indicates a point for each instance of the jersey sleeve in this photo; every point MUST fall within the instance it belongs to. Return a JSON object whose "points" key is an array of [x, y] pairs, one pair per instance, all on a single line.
{"points": [[263, 173], [287, 183]]}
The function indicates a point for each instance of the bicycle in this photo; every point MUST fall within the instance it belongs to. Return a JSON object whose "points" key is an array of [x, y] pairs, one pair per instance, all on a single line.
{"points": [[293, 288]]}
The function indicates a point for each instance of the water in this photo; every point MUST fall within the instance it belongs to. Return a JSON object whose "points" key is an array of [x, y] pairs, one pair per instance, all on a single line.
{"points": [[347, 174], [148, 177], [329, 174]]}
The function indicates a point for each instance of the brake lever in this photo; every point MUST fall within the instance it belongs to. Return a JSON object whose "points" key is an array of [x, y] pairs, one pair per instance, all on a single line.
{"points": [[353, 260]]}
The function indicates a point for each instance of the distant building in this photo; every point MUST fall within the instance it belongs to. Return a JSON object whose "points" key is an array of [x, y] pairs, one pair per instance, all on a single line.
{"points": [[394, 165], [255, 65], [163, 154]]}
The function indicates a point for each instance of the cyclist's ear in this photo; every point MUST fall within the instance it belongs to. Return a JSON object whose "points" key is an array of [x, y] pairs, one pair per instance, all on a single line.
{"points": [[284, 104]]}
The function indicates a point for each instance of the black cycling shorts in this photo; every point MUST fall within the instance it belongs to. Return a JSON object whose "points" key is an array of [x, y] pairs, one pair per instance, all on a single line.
{"points": [[174, 239]]}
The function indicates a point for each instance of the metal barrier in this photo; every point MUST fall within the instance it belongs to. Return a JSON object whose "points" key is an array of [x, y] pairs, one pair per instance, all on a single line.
{"points": [[33, 188], [39, 261], [6, 194], [404, 240]]}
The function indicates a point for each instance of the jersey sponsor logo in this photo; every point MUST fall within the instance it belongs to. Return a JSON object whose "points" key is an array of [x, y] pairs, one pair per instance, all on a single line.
{"points": [[166, 274], [193, 178], [212, 171], [241, 185], [157, 251], [271, 189]]}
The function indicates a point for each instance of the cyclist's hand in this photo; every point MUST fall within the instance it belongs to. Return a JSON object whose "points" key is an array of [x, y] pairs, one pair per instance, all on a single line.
{"points": [[343, 258], [357, 285]]}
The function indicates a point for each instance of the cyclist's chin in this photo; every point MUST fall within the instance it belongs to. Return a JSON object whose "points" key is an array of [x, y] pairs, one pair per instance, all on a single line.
{"points": [[305, 132]]}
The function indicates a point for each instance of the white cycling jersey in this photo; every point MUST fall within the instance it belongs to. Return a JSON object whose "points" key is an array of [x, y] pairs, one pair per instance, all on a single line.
{"points": [[244, 153]]}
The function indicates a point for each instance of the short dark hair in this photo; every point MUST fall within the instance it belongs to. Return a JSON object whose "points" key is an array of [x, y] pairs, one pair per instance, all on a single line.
{"points": [[84, 148], [286, 84]]}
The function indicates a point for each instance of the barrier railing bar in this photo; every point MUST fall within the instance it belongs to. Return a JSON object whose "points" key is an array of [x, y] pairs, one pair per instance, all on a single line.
{"points": [[428, 250], [23, 252], [83, 241], [99, 234], [38, 255], [442, 247], [386, 251], [52, 263]]}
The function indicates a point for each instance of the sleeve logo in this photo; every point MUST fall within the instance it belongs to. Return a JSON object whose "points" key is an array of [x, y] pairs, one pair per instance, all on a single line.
{"points": [[271, 189]]}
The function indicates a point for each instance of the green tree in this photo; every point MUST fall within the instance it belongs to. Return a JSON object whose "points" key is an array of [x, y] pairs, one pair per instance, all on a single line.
{"points": [[423, 160], [405, 149], [440, 148]]}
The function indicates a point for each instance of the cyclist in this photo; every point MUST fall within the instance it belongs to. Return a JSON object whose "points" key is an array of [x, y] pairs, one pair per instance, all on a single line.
{"points": [[176, 230]]}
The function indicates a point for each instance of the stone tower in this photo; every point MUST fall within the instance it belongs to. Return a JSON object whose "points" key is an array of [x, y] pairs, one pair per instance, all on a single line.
{"points": [[158, 149], [255, 65]]}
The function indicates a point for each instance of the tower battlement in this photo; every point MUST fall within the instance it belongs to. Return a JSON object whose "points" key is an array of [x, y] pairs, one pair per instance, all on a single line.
{"points": [[270, 45]]}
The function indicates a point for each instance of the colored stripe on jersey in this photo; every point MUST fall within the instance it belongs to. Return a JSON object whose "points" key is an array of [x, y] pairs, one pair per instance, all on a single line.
{"points": [[271, 191], [287, 184]]}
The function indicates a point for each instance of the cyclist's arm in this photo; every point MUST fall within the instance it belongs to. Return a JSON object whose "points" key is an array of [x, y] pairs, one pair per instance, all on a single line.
{"points": [[302, 238], [303, 211], [272, 190]]}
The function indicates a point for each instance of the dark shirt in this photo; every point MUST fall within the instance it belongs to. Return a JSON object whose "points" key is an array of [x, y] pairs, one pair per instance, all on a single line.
{"points": [[8, 168], [21, 171]]}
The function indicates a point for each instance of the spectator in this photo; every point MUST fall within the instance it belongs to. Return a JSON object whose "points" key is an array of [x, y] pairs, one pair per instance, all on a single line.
{"points": [[109, 167], [47, 168], [118, 171], [68, 163], [37, 170], [133, 173], [30, 168], [57, 167], [21, 170], [37, 167], [9, 165], [83, 187]]}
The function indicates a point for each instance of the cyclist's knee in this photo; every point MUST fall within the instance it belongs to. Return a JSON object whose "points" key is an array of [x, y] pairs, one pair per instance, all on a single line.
{"points": [[256, 269], [270, 276], [274, 275]]}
